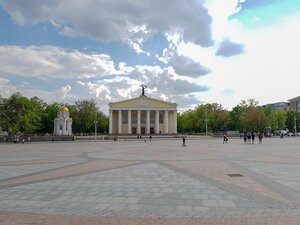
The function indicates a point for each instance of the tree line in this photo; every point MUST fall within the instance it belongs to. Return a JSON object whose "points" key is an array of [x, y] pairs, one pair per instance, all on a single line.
{"points": [[19, 114], [246, 116]]}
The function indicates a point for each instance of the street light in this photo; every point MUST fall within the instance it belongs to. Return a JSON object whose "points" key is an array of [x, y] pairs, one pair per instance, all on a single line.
{"points": [[95, 122], [205, 122], [295, 123]]}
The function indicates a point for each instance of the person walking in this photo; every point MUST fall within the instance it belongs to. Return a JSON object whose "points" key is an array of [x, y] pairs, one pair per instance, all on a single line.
{"points": [[260, 137], [150, 138], [252, 137], [248, 137], [225, 139], [245, 137], [183, 141]]}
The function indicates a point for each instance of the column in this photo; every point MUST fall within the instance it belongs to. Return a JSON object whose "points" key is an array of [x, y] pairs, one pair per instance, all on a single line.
{"points": [[138, 122], [175, 121], [120, 122], [129, 121], [166, 122], [157, 122], [69, 127], [57, 126], [110, 121], [148, 122], [63, 132]]}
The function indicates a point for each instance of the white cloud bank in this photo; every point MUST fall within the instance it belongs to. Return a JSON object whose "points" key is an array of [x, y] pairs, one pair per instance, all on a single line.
{"points": [[49, 62], [128, 21]]}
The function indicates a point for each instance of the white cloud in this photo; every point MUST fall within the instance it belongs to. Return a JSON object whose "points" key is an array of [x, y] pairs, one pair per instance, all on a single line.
{"points": [[268, 71], [161, 83], [182, 64], [26, 89], [129, 21], [65, 91], [6, 89], [49, 62], [227, 48]]}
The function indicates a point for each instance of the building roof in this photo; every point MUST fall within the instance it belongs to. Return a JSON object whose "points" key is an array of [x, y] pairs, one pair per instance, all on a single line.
{"points": [[63, 109], [294, 99], [142, 102]]}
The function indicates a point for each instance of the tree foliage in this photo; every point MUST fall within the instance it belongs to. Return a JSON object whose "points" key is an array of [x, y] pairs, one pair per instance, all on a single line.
{"points": [[19, 114]]}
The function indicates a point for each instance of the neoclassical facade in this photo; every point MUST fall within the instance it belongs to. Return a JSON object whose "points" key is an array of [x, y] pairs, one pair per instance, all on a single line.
{"points": [[63, 122], [142, 115]]}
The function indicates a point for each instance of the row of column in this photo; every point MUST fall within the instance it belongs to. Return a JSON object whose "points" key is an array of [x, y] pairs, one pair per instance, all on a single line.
{"points": [[166, 121]]}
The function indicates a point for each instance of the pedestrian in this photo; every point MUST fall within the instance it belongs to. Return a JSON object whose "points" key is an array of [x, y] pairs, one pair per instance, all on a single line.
{"points": [[150, 138], [245, 137], [248, 137], [28, 139], [183, 141], [23, 141], [260, 137], [281, 135], [252, 137], [225, 139]]}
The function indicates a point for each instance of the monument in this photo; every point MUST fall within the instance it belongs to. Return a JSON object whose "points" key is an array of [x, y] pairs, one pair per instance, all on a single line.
{"points": [[63, 122], [142, 115]]}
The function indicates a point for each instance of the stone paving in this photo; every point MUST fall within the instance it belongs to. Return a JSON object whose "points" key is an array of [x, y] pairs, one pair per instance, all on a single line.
{"points": [[158, 182]]}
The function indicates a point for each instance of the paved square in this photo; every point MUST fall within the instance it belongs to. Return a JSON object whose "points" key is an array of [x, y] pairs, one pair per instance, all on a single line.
{"points": [[158, 182]]}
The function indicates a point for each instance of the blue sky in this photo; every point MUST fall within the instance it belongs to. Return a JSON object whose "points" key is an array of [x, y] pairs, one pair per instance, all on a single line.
{"points": [[186, 51]]}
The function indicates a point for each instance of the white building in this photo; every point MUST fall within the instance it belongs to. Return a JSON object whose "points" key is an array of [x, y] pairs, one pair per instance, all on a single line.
{"points": [[142, 115], [63, 122]]}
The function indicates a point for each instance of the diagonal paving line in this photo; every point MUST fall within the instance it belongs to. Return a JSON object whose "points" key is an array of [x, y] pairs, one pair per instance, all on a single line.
{"points": [[41, 161], [75, 170], [288, 193], [253, 197]]}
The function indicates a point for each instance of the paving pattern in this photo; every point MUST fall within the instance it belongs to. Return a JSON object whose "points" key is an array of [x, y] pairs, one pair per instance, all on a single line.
{"points": [[158, 182]]}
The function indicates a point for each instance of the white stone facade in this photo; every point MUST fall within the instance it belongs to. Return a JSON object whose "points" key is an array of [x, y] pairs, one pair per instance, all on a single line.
{"points": [[63, 122], [143, 115]]}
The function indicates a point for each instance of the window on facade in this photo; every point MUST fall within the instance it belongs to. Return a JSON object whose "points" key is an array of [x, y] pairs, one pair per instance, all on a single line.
{"points": [[161, 118], [152, 116], [125, 117]]}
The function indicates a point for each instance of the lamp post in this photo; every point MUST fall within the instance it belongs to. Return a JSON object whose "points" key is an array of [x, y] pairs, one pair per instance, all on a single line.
{"points": [[295, 123], [95, 122], [205, 122]]}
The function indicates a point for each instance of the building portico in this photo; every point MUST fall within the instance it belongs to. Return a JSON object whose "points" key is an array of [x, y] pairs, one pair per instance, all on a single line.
{"points": [[142, 115]]}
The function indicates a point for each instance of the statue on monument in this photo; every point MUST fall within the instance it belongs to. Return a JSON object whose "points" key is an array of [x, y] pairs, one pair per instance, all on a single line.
{"points": [[143, 90]]}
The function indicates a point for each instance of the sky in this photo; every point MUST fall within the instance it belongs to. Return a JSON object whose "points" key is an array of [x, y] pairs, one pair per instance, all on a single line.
{"points": [[189, 52]]}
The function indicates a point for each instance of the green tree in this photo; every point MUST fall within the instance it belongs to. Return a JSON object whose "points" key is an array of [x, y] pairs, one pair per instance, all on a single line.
{"points": [[50, 113], [103, 123], [84, 115]]}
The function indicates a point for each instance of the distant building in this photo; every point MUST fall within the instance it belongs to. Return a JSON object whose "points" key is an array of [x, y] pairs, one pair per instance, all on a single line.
{"points": [[142, 115], [295, 104], [278, 106], [63, 122]]}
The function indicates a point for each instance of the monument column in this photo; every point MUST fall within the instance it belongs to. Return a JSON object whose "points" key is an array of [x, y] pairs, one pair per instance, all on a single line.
{"points": [[64, 126], [157, 122], [175, 121], [129, 121], [138, 121], [166, 122], [148, 122], [57, 127], [110, 121], [120, 122]]}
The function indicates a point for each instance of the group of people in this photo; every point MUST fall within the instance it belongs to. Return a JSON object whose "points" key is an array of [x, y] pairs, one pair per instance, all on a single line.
{"points": [[249, 137]]}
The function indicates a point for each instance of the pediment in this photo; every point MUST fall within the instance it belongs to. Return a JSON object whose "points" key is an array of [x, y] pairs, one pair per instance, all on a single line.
{"points": [[142, 102]]}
